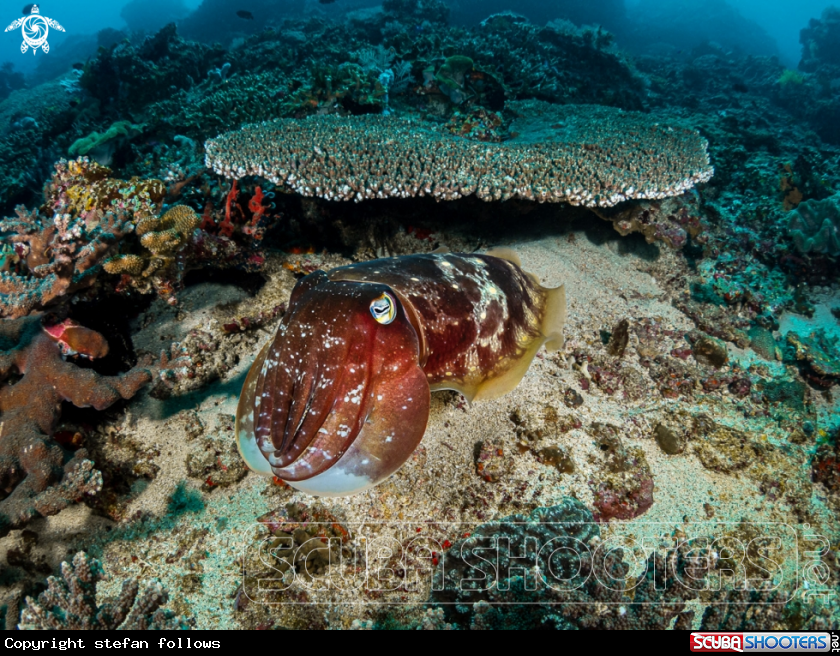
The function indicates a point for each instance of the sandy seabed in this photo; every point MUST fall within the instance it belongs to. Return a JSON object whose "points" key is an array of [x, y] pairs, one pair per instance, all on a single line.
{"points": [[200, 544]]}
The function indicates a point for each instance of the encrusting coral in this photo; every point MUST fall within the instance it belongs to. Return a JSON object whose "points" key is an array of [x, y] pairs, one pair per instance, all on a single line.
{"points": [[69, 603], [81, 186], [33, 475], [579, 154]]}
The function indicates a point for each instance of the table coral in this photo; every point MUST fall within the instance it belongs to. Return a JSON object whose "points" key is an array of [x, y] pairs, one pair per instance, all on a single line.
{"points": [[33, 475], [579, 154], [69, 603]]}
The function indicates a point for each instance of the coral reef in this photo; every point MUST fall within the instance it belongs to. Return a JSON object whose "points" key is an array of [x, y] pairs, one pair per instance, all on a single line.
{"points": [[34, 476], [701, 366], [815, 226], [560, 589], [35, 130], [578, 155], [205, 109], [127, 77], [820, 41], [69, 603]]}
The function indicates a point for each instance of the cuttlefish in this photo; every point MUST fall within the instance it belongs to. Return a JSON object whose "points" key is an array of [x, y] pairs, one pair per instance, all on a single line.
{"points": [[339, 398]]}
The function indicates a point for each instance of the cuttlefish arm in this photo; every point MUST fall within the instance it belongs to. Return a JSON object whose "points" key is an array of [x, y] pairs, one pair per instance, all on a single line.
{"points": [[337, 402]]}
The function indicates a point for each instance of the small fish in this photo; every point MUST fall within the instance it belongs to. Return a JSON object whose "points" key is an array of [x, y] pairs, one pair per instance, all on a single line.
{"points": [[247, 15], [326, 2], [28, 9], [74, 339]]}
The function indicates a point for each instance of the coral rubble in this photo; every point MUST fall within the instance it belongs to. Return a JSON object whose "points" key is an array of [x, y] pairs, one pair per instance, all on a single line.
{"points": [[699, 380]]}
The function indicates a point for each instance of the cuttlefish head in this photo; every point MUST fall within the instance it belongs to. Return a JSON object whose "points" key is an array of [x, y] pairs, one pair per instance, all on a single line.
{"points": [[336, 402]]}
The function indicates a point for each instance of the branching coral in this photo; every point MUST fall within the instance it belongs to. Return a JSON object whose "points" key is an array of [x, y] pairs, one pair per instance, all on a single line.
{"points": [[170, 245], [33, 475], [202, 111], [69, 603], [583, 155], [815, 226]]}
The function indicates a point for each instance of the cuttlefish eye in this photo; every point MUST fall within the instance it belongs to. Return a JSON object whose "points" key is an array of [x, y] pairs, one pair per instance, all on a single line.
{"points": [[384, 308]]}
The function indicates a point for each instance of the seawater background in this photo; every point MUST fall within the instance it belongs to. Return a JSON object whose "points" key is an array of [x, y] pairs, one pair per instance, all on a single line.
{"points": [[83, 19]]}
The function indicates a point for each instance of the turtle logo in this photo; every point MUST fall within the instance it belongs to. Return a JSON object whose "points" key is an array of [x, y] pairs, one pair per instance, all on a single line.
{"points": [[35, 29]]}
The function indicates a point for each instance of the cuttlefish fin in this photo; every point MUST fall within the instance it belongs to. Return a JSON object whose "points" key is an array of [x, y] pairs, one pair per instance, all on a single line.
{"points": [[497, 386], [554, 318], [508, 254], [551, 334]]}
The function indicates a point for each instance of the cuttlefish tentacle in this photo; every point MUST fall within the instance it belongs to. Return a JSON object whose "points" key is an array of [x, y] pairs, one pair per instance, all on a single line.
{"points": [[339, 399]]}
